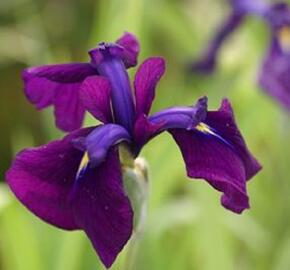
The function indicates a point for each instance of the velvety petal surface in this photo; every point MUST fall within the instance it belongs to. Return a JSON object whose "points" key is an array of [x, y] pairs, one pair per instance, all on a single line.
{"points": [[61, 73], [131, 49], [102, 209], [95, 96], [217, 153], [274, 74], [42, 178], [224, 123], [143, 132], [58, 85], [40, 92], [68, 109], [146, 79]]}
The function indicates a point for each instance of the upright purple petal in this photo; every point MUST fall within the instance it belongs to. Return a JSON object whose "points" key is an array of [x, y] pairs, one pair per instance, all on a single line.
{"points": [[42, 178], [215, 151], [131, 49], [146, 79], [58, 85], [95, 96], [102, 209]]}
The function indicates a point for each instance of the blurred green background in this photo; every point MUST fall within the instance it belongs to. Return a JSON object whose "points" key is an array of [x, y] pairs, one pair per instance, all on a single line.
{"points": [[186, 227]]}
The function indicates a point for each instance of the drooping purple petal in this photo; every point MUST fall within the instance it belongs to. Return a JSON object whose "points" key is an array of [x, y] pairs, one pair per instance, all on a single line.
{"points": [[100, 140], [211, 160], [131, 49], [274, 74], [42, 178], [40, 92], [61, 73], [107, 60], [224, 123], [215, 151], [102, 209], [146, 79], [95, 95], [207, 63], [68, 109], [58, 85]]}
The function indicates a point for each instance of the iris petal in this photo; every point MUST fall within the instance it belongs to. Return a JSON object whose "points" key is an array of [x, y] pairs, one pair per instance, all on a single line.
{"points": [[95, 96], [58, 85], [61, 73], [68, 109], [273, 76], [146, 79], [225, 164], [102, 209], [42, 178], [131, 49]]}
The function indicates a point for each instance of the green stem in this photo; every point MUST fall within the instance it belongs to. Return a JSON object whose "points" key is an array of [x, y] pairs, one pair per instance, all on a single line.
{"points": [[131, 253]]}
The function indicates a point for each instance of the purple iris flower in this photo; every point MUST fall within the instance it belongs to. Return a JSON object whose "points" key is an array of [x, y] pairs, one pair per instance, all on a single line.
{"points": [[76, 182], [273, 75]]}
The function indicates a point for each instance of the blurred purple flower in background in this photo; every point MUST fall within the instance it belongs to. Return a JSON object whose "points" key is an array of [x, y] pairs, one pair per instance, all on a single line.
{"points": [[273, 74], [76, 182]]}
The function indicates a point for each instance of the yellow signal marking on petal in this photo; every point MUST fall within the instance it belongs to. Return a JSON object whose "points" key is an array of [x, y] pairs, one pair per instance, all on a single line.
{"points": [[202, 127], [284, 38], [84, 162]]}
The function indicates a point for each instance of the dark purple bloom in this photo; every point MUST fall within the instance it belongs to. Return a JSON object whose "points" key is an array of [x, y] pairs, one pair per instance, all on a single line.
{"points": [[273, 75], [76, 182], [275, 69], [59, 85]]}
